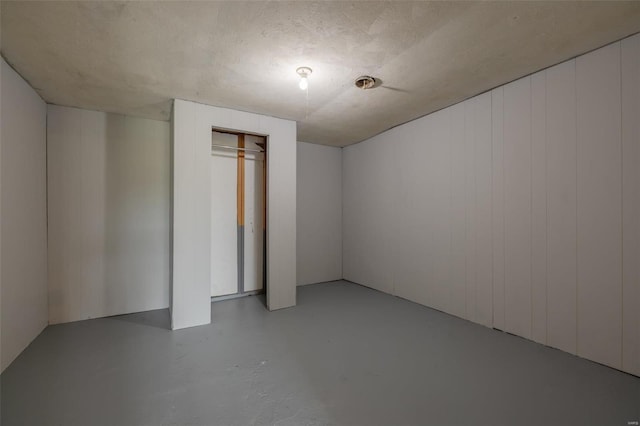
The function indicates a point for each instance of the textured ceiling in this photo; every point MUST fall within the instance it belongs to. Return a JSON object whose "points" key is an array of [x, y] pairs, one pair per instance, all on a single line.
{"points": [[134, 57]]}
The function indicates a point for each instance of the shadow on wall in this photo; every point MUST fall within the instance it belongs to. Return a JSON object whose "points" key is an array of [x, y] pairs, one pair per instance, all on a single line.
{"points": [[137, 215], [159, 318]]}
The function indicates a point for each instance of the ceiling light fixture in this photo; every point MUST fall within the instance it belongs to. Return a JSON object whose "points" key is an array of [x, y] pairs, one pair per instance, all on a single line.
{"points": [[304, 73], [365, 82]]}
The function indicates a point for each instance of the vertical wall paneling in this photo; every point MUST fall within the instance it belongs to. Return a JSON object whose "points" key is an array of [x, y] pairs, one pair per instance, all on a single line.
{"points": [[183, 119], [2, 353], [108, 186], [457, 213], [108, 178], [541, 207], [483, 241], [413, 278], [630, 73], [422, 232], [429, 208], [470, 206], [414, 266], [357, 198], [281, 202], [517, 202], [370, 209], [191, 289], [352, 205], [319, 217], [253, 210], [441, 234], [497, 196], [538, 209], [561, 206], [23, 216], [599, 197]]}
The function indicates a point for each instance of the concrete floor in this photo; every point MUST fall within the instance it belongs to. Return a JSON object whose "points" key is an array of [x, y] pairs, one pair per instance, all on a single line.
{"points": [[346, 355]]}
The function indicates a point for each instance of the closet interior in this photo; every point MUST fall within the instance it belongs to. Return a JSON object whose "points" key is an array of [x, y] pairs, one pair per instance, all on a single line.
{"points": [[238, 214]]}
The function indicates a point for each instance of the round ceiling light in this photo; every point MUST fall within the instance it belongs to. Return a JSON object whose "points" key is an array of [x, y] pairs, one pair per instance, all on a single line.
{"points": [[365, 82]]}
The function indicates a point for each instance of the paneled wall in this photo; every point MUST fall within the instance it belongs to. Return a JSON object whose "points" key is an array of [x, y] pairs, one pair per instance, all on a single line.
{"points": [[518, 209], [108, 205], [23, 215], [319, 213], [599, 205], [630, 81]]}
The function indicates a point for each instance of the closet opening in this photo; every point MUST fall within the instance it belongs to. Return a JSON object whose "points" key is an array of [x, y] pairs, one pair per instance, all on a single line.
{"points": [[238, 214]]}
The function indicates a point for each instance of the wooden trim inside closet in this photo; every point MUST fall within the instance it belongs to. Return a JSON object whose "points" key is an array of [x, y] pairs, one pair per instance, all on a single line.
{"points": [[240, 179]]}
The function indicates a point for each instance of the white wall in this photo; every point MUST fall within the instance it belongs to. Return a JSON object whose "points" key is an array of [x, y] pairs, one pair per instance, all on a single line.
{"points": [[108, 179], [517, 209], [319, 225], [192, 124], [23, 220]]}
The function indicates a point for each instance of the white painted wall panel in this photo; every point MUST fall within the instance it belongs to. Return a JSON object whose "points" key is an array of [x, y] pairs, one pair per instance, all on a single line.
{"points": [[439, 163], [483, 192], [281, 211], [630, 74], [2, 354], [76, 152], [458, 213], [369, 202], [599, 196], [319, 222], [538, 209], [23, 216], [470, 208], [253, 232], [422, 267], [108, 206], [415, 265], [517, 206], [497, 217], [561, 206], [190, 297]]}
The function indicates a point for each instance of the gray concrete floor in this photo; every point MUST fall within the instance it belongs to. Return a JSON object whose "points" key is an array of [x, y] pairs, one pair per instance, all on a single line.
{"points": [[346, 355]]}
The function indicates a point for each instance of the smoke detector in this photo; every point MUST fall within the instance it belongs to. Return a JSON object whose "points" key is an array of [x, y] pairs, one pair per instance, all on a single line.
{"points": [[365, 82]]}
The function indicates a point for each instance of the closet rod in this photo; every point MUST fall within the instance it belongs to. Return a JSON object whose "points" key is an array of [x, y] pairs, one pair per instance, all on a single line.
{"points": [[236, 148]]}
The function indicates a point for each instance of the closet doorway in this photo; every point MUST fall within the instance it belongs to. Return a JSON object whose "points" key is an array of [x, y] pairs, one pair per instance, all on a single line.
{"points": [[238, 214]]}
